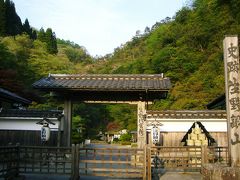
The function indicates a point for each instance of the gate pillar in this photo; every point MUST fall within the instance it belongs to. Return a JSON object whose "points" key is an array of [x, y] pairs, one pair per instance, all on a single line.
{"points": [[67, 125], [141, 129]]}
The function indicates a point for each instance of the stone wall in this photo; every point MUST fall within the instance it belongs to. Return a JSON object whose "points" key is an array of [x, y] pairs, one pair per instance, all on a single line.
{"points": [[220, 172]]}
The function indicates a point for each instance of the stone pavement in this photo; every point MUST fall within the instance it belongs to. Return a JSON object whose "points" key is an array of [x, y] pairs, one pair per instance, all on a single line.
{"points": [[181, 176]]}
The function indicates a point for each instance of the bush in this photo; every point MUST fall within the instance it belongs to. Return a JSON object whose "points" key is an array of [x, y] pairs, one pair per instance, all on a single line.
{"points": [[125, 137], [115, 140]]}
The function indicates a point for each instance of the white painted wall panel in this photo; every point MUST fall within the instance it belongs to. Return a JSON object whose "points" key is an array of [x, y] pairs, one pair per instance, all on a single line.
{"points": [[23, 124], [183, 125]]}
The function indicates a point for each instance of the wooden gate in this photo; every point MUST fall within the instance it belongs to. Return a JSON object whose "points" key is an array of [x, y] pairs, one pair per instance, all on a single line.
{"points": [[15, 160], [112, 162]]}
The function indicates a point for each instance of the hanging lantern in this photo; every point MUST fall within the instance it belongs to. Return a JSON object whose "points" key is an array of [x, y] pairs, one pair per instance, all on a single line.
{"points": [[155, 135], [45, 132]]}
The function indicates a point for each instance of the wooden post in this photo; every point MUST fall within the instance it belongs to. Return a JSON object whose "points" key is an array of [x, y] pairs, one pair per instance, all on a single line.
{"points": [[17, 159], [77, 162], [232, 88], [59, 132], [141, 131], [145, 163], [73, 163], [149, 163], [67, 126], [204, 155]]}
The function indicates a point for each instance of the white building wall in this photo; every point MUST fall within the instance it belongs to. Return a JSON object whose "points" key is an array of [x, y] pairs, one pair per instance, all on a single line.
{"points": [[183, 125], [25, 124]]}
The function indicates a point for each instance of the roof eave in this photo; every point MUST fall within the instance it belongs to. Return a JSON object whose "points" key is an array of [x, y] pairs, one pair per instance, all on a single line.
{"points": [[100, 89]]}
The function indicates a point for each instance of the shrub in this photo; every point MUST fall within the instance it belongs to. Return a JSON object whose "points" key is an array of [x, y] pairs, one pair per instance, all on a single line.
{"points": [[125, 137]]}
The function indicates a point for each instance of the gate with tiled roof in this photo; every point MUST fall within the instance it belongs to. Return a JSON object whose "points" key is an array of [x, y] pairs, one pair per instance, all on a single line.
{"points": [[139, 89]]}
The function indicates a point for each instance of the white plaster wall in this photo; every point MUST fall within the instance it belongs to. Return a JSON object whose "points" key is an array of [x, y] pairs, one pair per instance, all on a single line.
{"points": [[25, 124], [183, 125]]}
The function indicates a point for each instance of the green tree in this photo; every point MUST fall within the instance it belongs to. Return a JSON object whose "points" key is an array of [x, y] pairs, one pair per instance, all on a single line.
{"points": [[78, 129], [124, 115], [7, 59], [2, 18], [49, 38], [13, 21], [27, 28], [41, 35], [77, 55], [51, 41], [34, 35]]}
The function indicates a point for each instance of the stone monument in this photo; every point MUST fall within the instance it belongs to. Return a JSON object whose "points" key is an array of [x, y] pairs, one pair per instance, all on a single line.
{"points": [[232, 88]]}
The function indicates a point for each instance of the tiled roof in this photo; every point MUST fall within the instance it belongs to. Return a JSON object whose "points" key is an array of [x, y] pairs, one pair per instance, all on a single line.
{"points": [[207, 114], [9, 96], [30, 113], [105, 82], [218, 103]]}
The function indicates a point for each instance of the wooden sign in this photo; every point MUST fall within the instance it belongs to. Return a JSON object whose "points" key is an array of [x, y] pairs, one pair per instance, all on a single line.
{"points": [[232, 87]]}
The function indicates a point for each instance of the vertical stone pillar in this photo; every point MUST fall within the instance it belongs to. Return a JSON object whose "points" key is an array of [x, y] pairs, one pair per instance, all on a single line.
{"points": [[141, 130], [67, 125], [232, 87]]}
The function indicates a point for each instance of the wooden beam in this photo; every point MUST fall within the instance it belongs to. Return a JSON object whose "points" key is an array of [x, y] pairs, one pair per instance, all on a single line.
{"points": [[111, 102], [114, 102]]}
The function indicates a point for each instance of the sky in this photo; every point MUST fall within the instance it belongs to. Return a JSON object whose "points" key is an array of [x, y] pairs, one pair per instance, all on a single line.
{"points": [[98, 25]]}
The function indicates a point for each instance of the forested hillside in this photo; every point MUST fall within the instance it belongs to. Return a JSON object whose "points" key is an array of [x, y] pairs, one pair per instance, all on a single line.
{"points": [[187, 48], [27, 54]]}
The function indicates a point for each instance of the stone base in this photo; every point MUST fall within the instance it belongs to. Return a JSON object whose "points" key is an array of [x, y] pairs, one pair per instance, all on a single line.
{"points": [[220, 172]]}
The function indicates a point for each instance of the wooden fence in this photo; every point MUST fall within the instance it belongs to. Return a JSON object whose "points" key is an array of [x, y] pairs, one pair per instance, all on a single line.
{"points": [[9, 161], [187, 158], [112, 162], [216, 155], [74, 161], [45, 160], [79, 161], [178, 157], [36, 159]]}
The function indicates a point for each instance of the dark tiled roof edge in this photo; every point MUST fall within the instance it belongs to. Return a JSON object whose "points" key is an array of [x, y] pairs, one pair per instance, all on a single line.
{"points": [[219, 101], [31, 113], [106, 75], [13, 97], [127, 82], [187, 114]]}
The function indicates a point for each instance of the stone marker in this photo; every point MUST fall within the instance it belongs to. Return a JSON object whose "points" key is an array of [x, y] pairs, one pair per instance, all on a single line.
{"points": [[232, 87]]}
